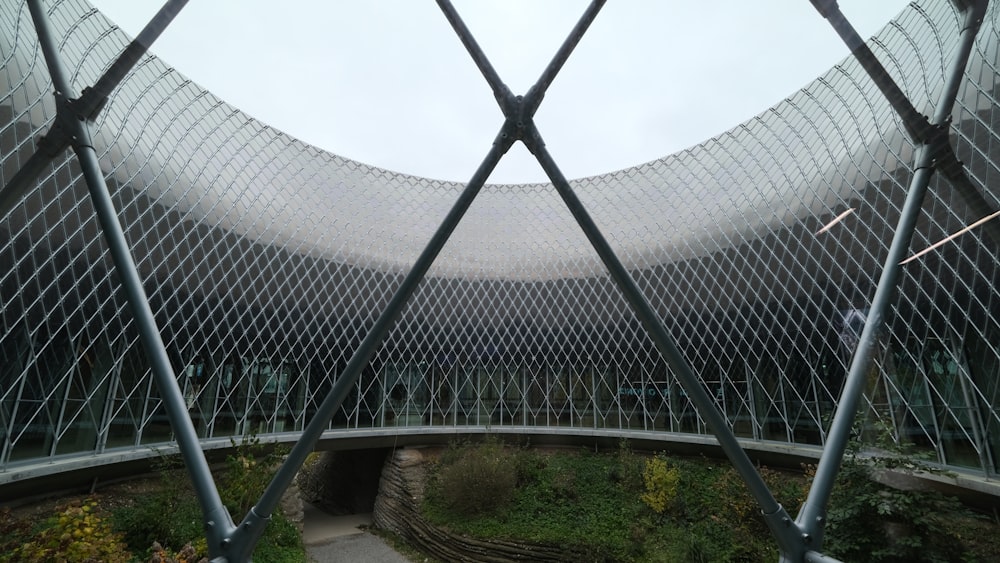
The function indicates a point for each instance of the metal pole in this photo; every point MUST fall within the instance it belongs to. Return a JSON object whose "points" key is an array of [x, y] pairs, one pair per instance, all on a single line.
{"points": [[217, 519], [757, 430], [971, 404], [8, 440], [812, 517], [522, 110], [816, 557], [777, 519], [244, 538], [929, 398], [92, 99], [57, 431], [500, 90], [913, 121], [537, 91], [109, 400], [89, 104], [917, 125]]}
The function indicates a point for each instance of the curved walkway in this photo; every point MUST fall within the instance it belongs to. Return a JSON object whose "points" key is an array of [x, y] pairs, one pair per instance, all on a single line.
{"points": [[331, 539]]}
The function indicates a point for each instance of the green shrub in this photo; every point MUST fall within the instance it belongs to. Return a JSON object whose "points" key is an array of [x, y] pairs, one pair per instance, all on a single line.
{"points": [[78, 533], [171, 517], [583, 503], [661, 482], [871, 522], [479, 481], [564, 487], [281, 542], [868, 521], [529, 467], [248, 472], [627, 471]]}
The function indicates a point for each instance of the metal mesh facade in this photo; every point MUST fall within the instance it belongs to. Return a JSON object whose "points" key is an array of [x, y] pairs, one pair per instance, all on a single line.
{"points": [[266, 260]]}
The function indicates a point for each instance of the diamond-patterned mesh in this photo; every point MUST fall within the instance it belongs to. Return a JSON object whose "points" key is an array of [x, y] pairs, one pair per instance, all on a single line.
{"points": [[267, 260]]}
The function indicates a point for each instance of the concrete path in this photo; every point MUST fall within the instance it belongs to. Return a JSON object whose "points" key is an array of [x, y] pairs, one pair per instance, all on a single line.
{"points": [[338, 538]]}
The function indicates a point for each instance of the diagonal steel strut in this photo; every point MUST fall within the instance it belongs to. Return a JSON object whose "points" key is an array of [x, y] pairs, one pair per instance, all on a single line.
{"points": [[522, 110], [240, 544], [76, 129], [230, 543], [88, 106], [812, 516], [918, 127]]}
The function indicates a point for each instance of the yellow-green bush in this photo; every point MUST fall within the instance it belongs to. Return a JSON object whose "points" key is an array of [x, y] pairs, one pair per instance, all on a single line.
{"points": [[77, 534], [661, 482]]}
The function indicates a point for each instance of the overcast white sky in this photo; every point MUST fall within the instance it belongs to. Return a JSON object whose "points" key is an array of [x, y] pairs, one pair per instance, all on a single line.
{"points": [[388, 83]]}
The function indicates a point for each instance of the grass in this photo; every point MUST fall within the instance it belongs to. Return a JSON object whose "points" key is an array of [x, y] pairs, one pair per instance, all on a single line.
{"points": [[590, 505], [569, 500]]}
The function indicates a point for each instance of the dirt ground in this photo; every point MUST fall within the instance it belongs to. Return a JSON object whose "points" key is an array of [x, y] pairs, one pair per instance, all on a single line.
{"points": [[109, 497]]}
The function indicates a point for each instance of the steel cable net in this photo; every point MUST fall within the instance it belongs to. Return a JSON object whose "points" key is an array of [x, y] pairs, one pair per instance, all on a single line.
{"points": [[266, 260]]}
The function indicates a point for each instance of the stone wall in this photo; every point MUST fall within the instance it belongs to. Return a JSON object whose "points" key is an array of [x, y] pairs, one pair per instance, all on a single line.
{"points": [[397, 509]]}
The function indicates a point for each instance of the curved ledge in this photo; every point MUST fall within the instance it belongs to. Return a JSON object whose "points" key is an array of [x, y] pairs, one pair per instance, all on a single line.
{"points": [[31, 479]]}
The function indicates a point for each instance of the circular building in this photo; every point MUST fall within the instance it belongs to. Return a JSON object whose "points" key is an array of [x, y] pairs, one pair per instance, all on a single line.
{"points": [[267, 261]]}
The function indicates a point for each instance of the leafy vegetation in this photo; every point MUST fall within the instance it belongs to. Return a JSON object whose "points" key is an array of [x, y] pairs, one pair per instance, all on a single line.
{"points": [[78, 532], [168, 516], [605, 506], [661, 483], [868, 521], [479, 481], [624, 506], [163, 525]]}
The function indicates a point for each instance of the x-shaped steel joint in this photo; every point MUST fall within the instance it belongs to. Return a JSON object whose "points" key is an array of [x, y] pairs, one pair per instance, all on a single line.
{"points": [[86, 107], [519, 125], [64, 131], [935, 152], [235, 543], [934, 134], [519, 111]]}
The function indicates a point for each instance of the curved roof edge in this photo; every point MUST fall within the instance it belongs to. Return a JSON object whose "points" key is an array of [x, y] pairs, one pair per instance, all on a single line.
{"points": [[189, 151]]}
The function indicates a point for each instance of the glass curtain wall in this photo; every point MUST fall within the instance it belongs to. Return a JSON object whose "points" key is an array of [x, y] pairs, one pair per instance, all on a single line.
{"points": [[267, 261]]}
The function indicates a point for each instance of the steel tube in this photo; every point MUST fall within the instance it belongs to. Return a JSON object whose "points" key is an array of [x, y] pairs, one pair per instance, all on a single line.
{"points": [[914, 122], [813, 514], [534, 96], [89, 104], [816, 557], [246, 535], [217, 519], [778, 520], [958, 179], [974, 14], [92, 99], [917, 126], [500, 90]]}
